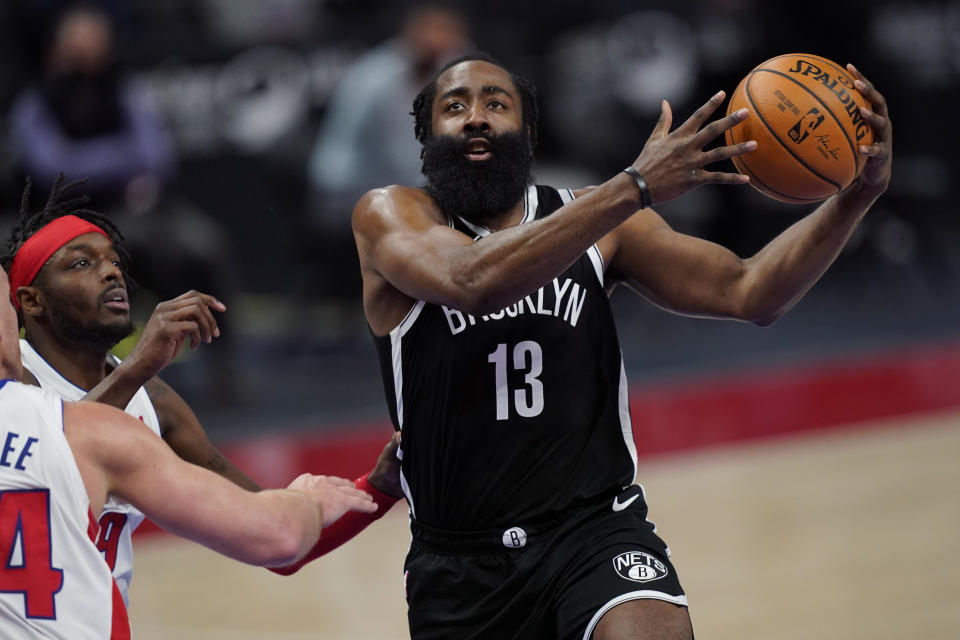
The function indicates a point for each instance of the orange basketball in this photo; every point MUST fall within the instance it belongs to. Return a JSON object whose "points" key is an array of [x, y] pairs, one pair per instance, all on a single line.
{"points": [[805, 117]]}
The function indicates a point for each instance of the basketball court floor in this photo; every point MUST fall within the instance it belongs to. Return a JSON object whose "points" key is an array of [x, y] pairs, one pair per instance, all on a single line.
{"points": [[843, 534]]}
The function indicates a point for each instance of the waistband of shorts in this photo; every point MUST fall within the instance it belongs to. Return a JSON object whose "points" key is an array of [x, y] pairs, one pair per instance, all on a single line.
{"points": [[493, 540]]}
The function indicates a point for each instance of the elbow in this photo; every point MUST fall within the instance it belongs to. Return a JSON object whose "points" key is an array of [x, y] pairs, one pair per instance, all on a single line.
{"points": [[470, 295], [757, 306], [287, 537], [286, 554], [480, 304], [289, 545], [477, 293], [764, 321], [763, 317]]}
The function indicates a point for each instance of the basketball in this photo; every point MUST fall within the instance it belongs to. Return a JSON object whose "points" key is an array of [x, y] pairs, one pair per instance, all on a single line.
{"points": [[805, 117]]}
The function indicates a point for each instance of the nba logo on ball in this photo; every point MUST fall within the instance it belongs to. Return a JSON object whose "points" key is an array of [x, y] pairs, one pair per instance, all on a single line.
{"points": [[805, 125], [805, 116], [639, 566]]}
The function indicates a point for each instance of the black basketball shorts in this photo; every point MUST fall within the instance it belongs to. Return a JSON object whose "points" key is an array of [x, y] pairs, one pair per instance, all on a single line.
{"points": [[530, 582]]}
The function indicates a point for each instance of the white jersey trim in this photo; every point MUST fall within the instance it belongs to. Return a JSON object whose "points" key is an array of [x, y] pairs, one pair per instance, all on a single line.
{"points": [[626, 597], [597, 259], [626, 423], [567, 196], [531, 202], [406, 492], [396, 352], [478, 229]]}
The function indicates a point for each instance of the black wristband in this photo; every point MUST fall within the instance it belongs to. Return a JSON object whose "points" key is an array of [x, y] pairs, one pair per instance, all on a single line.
{"points": [[645, 199]]}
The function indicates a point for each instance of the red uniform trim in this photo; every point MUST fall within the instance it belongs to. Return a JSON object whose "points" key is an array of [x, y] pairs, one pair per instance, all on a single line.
{"points": [[119, 621]]}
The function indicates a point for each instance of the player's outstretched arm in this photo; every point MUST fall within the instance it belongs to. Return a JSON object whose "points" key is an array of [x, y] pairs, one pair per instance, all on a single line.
{"points": [[404, 239], [692, 276], [173, 323], [117, 455], [383, 483]]}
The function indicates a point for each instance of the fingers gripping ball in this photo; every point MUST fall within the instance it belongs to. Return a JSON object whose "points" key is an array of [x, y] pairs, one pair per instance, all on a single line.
{"points": [[805, 116]]}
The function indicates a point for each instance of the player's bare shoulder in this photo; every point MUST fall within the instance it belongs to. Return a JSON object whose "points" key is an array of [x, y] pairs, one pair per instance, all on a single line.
{"points": [[395, 204], [393, 208]]}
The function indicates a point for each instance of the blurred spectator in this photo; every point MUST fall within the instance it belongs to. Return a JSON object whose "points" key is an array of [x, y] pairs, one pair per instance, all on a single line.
{"points": [[366, 137], [86, 120]]}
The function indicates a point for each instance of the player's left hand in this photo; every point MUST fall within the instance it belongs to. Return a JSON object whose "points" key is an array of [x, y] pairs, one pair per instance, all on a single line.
{"points": [[386, 475], [876, 172], [186, 318], [334, 496]]}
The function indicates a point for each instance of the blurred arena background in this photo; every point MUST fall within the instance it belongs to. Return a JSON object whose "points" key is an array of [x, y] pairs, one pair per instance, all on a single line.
{"points": [[804, 474]]}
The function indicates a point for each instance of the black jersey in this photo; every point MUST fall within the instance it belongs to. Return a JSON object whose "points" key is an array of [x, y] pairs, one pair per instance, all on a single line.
{"points": [[514, 416]]}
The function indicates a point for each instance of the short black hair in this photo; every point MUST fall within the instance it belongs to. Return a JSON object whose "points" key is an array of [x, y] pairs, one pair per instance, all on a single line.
{"points": [[422, 104], [58, 206]]}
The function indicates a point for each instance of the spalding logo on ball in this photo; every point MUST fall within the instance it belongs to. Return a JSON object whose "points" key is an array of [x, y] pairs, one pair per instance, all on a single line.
{"points": [[805, 117]]}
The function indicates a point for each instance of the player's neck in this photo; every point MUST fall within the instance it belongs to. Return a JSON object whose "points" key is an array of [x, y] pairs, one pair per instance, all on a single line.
{"points": [[83, 365], [509, 218]]}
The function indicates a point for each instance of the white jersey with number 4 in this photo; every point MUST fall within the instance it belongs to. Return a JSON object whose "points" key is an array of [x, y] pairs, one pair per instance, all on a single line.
{"points": [[119, 519], [53, 583]]}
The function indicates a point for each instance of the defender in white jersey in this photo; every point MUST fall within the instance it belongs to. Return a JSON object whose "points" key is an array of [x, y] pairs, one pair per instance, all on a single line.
{"points": [[55, 583], [59, 464], [68, 268], [119, 519], [500, 357], [69, 282]]}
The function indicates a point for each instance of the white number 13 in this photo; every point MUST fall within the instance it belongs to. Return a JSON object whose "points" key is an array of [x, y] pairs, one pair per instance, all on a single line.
{"points": [[528, 401]]}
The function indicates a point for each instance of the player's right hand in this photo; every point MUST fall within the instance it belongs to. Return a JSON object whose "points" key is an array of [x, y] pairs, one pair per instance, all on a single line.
{"points": [[385, 476], [189, 316], [672, 162], [335, 496]]}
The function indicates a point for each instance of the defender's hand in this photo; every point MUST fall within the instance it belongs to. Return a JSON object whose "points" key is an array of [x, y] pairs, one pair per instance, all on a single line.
{"points": [[335, 496], [876, 171], [385, 476], [672, 163], [186, 317]]}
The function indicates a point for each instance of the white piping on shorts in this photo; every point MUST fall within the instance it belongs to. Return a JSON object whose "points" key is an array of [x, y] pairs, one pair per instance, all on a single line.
{"points": [[626, 597]]}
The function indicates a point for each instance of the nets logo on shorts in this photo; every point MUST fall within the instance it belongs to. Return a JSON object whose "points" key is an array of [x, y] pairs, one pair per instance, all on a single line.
{"points": [[639, 566]]}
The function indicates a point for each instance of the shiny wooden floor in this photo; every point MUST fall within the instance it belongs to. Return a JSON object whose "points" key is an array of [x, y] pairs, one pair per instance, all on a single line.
{"points": [[841, 535]]}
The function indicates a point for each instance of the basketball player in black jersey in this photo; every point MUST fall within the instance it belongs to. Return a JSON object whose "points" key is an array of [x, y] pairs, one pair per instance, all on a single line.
{"points": [[487, 298]]}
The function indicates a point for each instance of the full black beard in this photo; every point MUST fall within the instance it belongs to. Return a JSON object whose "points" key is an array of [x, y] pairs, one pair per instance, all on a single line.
{"points": [[477, 191], [101, 337]]}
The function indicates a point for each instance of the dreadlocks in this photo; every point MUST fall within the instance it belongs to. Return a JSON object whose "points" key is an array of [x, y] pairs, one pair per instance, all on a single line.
{"points": [[58, 206], [423, 103]]}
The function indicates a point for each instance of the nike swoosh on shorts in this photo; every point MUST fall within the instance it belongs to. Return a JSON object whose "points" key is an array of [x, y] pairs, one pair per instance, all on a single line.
{"points": [[620, 506]]}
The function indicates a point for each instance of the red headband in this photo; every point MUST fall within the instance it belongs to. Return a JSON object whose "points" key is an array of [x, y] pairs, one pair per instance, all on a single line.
{"points": [[38, 248]]}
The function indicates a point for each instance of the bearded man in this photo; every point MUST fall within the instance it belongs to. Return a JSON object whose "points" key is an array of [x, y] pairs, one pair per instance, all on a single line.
{"points": [[487, 299]]}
